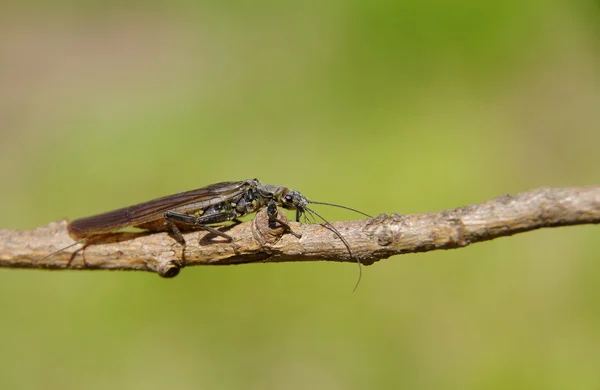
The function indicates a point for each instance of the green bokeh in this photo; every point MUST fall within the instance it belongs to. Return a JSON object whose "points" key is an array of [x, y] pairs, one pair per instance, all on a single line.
{"points": [[384, 106]]}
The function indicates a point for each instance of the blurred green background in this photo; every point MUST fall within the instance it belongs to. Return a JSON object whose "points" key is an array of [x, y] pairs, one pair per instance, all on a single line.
{"points": [[386, 106]]}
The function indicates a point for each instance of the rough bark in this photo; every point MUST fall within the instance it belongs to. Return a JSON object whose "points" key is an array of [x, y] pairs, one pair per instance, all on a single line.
{"points": [[256, 241]]}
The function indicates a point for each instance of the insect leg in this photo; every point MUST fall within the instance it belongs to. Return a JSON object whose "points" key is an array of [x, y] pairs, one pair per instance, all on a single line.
{"points": [[272, 214], [197, 222], [175, 230]]}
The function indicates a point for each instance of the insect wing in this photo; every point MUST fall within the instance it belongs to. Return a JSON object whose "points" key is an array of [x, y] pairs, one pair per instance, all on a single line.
{"points": [[148, 211]]}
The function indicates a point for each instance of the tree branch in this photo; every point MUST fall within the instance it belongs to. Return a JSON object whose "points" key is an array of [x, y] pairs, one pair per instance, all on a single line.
{"points": [[255, 241]]}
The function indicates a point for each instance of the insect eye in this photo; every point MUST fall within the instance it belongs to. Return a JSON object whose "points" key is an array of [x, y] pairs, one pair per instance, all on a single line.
{"points": [[288, 198]]}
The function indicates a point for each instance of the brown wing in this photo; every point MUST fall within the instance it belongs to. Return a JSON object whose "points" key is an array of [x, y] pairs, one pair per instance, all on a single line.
{"points": [[148, 211]]}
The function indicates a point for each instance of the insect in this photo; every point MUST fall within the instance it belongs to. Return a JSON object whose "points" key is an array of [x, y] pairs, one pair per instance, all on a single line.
{"points": [[197, 209]]}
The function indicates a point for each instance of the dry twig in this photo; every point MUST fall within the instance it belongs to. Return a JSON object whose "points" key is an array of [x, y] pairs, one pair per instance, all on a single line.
{"points": [[370, 239]]}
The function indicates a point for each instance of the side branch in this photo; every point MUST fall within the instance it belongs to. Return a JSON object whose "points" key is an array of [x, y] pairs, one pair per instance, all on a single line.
{"points": [[256, 241]]}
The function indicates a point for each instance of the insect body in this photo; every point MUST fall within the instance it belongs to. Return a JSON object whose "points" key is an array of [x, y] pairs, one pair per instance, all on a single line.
{"points": [[190, 210], [197, 209]]}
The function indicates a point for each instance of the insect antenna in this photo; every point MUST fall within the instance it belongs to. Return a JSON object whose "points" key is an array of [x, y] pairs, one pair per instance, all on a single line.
{"points": [[330, 227], [340, 206]]}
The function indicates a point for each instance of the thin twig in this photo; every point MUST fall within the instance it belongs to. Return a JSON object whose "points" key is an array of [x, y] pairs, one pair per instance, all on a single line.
{"points": [[370, 239]]}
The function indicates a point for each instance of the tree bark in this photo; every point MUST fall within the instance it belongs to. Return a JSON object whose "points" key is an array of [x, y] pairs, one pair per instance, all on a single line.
{"points": [[258, 241]]}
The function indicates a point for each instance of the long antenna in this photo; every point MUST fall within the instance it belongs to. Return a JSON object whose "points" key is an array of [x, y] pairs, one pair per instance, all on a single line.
{"points": [[340, 206], [330, 227]]}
